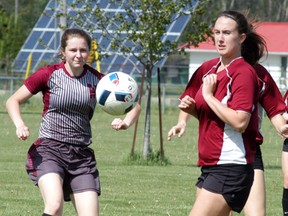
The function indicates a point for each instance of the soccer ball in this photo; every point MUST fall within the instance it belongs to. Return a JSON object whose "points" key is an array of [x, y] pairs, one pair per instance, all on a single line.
{"points": [[117, 93]]}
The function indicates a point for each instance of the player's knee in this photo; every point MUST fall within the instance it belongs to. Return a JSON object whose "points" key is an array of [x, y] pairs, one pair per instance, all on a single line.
{"points": [[285, 182], [54, 207]]}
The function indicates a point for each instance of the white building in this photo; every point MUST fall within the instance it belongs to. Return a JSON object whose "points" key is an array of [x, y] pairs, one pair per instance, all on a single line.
{"points": [[276, 36]]}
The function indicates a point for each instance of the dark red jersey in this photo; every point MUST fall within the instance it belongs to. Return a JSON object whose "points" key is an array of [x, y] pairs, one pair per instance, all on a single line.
{"points": [[69, 102], [270, 98], [237, 88]]}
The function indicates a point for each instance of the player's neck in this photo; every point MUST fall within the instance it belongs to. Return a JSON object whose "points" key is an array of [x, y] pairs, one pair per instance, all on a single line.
{"points": [[74, 72]]}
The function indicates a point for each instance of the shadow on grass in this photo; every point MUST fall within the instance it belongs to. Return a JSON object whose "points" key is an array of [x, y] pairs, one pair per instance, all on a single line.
{"points": [[272, 167], [153, 159]]}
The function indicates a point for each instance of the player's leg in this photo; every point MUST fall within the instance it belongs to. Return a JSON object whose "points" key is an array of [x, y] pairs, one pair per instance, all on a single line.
{"points": [[86, 203], [85, 189], [208, 203], [43, 168], [256, 203], [202, 204], [285, 177], [50, 186]]}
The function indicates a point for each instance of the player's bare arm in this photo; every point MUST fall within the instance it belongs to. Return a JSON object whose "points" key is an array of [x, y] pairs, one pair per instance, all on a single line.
{"points": [[180, 128], [280, 125], [13, 107], [130, 118]]}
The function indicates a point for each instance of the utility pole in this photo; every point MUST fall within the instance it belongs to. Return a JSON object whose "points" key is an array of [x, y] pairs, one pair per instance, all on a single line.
{"points": [[16, 12], [63, 17]]}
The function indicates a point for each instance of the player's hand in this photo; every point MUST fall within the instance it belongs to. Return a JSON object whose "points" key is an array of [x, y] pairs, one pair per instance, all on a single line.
{"points": [[119, 124], [284, 131], [22, 132], [209, 85], [187, 104], [177, 129], [285, 116]]}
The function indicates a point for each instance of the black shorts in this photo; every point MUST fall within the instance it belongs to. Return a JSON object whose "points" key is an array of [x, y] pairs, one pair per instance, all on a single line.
{"points": [[258, 163], [75, 164], [285, 145], [232, 181]]}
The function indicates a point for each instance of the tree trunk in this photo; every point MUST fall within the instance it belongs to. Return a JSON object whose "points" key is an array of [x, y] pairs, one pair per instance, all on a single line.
{"points": [[147, 146], [136, 123]]}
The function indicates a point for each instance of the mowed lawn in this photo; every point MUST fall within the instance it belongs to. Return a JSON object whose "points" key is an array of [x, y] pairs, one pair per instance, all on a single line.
{"points": [[136, 190]]}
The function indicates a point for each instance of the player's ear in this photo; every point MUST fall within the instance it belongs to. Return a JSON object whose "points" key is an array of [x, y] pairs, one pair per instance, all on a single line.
{"points": [[63, 53], [242, 37]]}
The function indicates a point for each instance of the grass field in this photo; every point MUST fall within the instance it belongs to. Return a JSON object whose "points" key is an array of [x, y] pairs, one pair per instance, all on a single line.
{"points": [[127, 190]]}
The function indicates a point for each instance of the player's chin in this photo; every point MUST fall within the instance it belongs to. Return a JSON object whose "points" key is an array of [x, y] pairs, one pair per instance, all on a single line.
{"points": [[79, 64]]}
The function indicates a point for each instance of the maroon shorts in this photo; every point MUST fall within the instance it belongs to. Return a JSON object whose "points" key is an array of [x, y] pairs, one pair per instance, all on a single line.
{"points": [[75, 164]]}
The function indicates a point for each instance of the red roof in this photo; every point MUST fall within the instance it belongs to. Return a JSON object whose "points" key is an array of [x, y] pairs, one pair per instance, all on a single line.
{"points": [[274, 33]]}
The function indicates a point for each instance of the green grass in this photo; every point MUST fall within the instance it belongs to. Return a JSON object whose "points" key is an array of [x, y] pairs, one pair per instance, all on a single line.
{"points": [[126, 189]]}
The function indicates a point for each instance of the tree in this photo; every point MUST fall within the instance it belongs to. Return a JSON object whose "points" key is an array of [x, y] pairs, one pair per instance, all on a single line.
{"points": [[145, 23], [13, 32], [263, 10], [10, 39]]}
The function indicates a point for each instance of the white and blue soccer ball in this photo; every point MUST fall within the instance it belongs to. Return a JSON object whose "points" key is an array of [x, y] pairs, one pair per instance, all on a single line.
{"points": [[117, 93]]}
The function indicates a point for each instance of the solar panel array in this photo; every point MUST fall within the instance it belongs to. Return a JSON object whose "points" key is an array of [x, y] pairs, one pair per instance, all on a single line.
{"points": [[43, 43]]}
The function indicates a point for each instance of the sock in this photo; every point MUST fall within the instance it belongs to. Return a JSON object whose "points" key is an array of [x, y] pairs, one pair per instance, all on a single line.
{"points": [[44, 214], [285, 201]]}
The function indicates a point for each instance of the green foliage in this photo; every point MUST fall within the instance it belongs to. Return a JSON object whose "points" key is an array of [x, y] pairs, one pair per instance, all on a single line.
{"points": [[28, 12], [198, 29], [9, 35], [265, 10], [14, 32], [153, 159]]}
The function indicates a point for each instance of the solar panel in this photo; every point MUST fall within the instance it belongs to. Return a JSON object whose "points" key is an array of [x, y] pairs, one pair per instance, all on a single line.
{"points": [[44, 40]]}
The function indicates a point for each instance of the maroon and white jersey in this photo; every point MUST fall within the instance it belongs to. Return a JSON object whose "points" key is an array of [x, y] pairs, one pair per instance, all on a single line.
{"points": [[270, 98], [69, 102], [237, 88]]}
